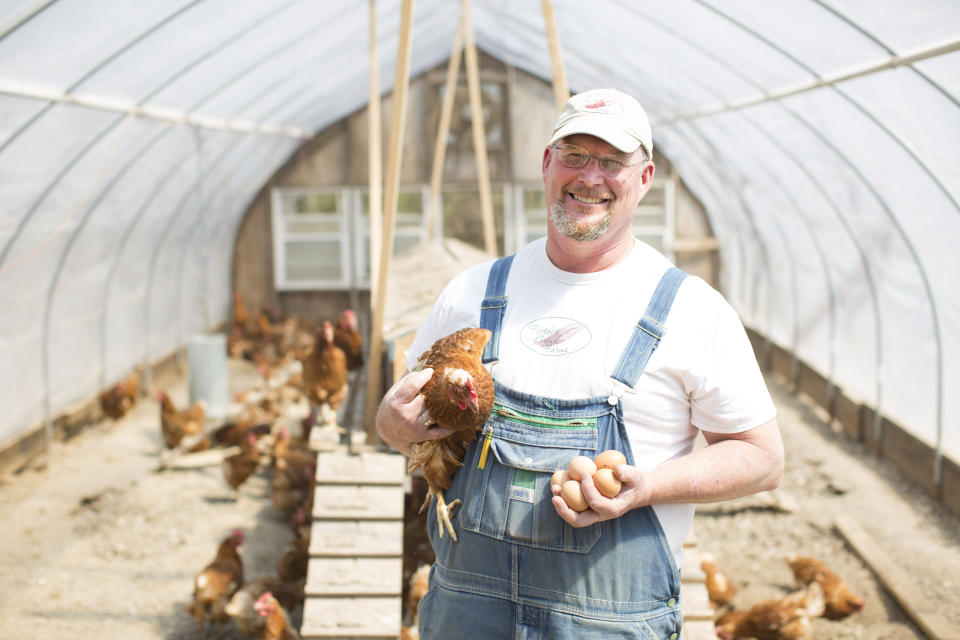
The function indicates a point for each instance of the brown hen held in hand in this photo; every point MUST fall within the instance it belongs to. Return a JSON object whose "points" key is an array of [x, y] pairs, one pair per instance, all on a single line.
{"points": [[458, 396]]}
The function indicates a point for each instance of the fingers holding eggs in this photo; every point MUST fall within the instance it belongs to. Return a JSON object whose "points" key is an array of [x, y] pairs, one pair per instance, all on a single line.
{"points": [[585, 480]]}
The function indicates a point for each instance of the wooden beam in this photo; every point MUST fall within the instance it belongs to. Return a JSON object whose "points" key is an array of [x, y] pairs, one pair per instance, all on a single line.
{"points": [[398, 119], [560, 91], [443, 130], [374, 161], [479, 136], [898, 581]]}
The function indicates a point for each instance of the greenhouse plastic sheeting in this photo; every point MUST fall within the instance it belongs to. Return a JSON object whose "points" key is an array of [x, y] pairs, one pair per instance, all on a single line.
{"points": [[819, 135]]}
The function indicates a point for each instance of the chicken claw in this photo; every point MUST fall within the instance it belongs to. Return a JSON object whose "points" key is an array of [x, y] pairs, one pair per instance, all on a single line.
{"points": [[444, 511]]}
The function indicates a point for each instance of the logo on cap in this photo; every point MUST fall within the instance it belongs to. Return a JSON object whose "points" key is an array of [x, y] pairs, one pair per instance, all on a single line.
{"points": [[603, 105]]}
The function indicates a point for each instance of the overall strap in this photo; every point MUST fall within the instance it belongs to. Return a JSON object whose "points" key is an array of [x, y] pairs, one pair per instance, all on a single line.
{"points": [[494, 305], [649, 330]]}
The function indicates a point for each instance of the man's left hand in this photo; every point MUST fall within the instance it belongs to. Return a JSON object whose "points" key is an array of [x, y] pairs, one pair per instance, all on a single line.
{"points": [[634, 492]]}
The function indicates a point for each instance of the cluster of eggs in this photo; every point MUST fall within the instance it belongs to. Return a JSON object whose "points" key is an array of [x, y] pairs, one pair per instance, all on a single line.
{"points": [[600, 469]]}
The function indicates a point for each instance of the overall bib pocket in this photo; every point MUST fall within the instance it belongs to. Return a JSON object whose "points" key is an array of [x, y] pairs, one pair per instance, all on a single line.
{"points": [[508, 489]]}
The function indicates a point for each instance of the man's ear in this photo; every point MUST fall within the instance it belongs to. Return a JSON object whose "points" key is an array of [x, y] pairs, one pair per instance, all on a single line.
{"points": [[546, 161]]}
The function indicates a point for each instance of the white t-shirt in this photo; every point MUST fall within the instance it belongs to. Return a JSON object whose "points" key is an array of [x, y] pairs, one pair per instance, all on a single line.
{"points": [[563, 334]]}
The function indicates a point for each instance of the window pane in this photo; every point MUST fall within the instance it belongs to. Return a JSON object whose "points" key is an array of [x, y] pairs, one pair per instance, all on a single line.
{"points": [[533, 199], [312, 223], [315, 203], [319, 260]]}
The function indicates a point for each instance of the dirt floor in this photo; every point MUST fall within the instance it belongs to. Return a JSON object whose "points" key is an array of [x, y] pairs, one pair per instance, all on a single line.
{"points": [[98, 545], [828, 476]]}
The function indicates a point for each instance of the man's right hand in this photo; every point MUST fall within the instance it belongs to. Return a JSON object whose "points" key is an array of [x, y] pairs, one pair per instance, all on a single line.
{"points": [[399, 418]]}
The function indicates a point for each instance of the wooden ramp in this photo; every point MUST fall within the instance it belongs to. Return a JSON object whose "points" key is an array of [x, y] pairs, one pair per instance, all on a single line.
{"points": [[694, 603], [355, 572]]}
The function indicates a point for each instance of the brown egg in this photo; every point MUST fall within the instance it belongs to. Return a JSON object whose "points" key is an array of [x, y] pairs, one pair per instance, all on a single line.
{"points": [[610, 459], [607, 483], [559, 477], [572, 494], [581, 465]]}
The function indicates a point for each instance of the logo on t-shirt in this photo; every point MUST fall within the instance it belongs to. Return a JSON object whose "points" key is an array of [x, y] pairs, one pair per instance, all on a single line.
{"points": [[555, 336]]}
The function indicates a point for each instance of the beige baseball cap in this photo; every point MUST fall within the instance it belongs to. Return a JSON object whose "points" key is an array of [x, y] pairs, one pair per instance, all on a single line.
{"points": [[608, 114]]}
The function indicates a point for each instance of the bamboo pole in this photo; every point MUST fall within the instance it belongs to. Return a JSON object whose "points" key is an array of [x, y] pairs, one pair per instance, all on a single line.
{"points": [[398, 118], [479, 136], [374, 161], [560, 91], [443, 130]]}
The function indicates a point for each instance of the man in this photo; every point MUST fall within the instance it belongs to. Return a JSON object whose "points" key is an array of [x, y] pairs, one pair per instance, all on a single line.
{"points": [[602, 344]]}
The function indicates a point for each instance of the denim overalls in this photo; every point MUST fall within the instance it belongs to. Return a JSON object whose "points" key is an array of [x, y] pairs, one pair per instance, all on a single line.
{"points": [[519, 571]]}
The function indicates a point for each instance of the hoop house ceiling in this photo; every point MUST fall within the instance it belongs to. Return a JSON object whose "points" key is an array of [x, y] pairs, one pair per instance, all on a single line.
{"points": [[819, 135]]}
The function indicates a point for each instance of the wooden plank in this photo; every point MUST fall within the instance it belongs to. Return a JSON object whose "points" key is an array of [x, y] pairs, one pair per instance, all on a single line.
{"points": [[374, 160], [443, 130], [356, 538], [690, 570], [560, 91], [897, 581], [371, 617], [398, 120], [479, 135], [694, 602], [698, 630], [354, 577], [352, 502], [368, 467]]}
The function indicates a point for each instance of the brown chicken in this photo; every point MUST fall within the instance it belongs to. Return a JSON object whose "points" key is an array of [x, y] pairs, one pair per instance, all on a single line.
{"points": [[257, 418], [347, 337], [241, 315], [786, 618], [176, 424], [839, 600], [292, 487], [289, 452], [216, 583], [240, 466], [120, 398], [292, 563], [325, 376], [241, 606], [458, 396], [720, 589], [417, 588], [277, 623]]}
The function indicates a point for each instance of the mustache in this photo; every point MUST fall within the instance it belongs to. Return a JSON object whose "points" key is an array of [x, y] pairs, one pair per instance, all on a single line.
{"points": [[590, 193]]}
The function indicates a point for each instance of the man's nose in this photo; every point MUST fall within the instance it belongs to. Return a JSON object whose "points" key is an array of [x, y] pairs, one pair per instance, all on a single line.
{"points": [[591, 173]]}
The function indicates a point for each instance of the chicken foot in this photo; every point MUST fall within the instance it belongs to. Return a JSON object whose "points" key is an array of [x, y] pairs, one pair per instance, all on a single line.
{"points": [[444, 513]]}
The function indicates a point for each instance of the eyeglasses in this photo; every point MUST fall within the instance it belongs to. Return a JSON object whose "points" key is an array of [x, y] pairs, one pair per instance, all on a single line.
{"points": [[574, 157]]}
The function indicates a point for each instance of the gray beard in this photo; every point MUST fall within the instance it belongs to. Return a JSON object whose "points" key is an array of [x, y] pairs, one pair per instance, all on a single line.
{"points": [[562, 223]]}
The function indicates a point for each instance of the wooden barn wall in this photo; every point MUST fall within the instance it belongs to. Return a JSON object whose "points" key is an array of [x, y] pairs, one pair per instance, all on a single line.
{"points": [[519, 115]]}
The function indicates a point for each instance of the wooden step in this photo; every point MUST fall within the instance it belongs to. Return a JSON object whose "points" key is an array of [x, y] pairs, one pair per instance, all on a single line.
{"points": [[355, 571], [353, 618], [358, 502], [350, 576], [356, 538], [368, 467]]}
